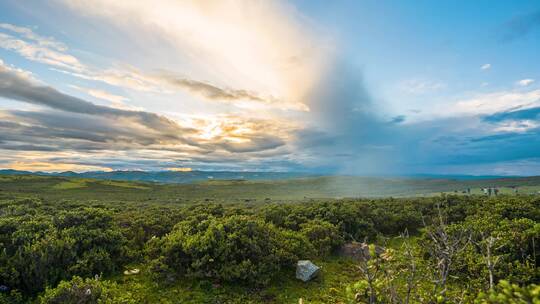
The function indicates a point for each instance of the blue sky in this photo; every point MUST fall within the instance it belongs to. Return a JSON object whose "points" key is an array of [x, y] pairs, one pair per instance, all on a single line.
{"points": [[346, 87]]}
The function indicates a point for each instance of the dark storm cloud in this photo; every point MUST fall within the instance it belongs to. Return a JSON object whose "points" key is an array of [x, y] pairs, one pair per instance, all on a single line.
{"points": [[348, 136], [532, 114]]}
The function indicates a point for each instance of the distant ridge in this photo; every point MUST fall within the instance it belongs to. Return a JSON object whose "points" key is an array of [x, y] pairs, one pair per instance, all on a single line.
{"points": [[167, 176], [175, 177]]}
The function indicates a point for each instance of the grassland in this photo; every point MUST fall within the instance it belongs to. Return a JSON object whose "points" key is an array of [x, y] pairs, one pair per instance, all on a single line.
{"points": [[142, 208], [328, 288], [300, 189]]}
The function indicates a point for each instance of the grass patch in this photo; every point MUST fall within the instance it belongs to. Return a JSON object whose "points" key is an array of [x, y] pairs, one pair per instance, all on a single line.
{"points": [[124, 184], [70, 184], [336, 274]]}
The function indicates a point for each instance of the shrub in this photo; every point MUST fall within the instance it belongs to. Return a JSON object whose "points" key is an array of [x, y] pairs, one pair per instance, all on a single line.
{"points": [[85, 291], [507, 293], [324, 236], [235, 248], [43, 250]]}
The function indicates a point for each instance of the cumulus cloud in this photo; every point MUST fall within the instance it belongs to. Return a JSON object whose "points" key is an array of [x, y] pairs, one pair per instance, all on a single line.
{"points": [[525, 82]]}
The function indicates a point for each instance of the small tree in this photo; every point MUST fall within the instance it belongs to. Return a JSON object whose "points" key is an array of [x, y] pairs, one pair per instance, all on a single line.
{"points": [[445, 244]]}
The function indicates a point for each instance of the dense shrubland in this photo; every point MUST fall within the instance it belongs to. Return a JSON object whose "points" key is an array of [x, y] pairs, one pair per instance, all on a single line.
{"points": [[434, 250]]}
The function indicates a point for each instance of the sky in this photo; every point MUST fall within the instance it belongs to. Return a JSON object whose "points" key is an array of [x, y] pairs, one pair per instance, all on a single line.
{"points": [[334, 87]]}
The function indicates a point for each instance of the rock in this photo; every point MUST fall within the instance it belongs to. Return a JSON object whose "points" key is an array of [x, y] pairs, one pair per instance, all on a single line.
{"points": [[359, 251], [355, 250], [132, 271], [305, 270]]}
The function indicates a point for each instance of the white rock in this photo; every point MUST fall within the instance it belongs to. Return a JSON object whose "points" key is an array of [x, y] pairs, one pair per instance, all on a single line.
{"points": [[305, 270], [132, 271]]}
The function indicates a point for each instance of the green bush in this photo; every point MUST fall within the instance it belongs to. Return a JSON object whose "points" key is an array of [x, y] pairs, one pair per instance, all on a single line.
{"points": [[42, 250], [85, 291], [507, 293], [324, 236], [237, 248]]}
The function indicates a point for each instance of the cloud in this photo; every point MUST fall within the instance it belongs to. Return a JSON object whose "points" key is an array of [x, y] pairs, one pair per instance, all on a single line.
{"points": [[398, 119], [237, 47], [50, 167], [29, 34], [520, 26], [486, 66], [233, 96], [75, 124], [525, 82], [252, 55], [37, 48], [489, 103], [100, 94], [49, 51], [517, 126], [116, 101], [514, 114], [12, 86]]}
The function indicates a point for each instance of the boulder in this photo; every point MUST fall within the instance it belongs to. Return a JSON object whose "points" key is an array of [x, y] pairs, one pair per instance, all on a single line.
{"points": [[355, 250], [305, 270], [359, 251]]}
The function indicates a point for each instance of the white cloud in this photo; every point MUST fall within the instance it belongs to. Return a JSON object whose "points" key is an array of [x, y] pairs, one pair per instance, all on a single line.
{"points": [[525, 82], [24, 74], [486, 66], [37, 48], [106, 96], [480, 104], [29, 34], [257, 46], [496, 102], [517, 126], [49, 51], [116, 101]]}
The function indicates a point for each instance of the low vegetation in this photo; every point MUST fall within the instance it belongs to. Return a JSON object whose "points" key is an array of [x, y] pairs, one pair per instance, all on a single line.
{"points": [[440, 249]]}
